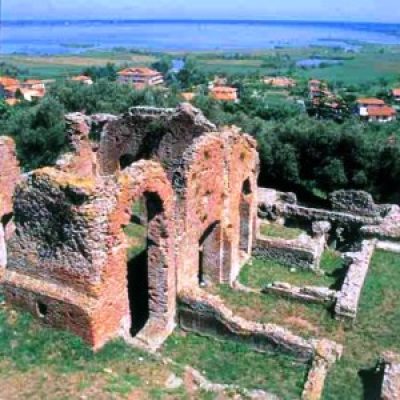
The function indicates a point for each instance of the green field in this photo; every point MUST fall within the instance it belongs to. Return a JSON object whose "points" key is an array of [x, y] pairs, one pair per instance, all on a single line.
{"points": [[376, 329], [262, 272], [58, 67], [369, 65]]}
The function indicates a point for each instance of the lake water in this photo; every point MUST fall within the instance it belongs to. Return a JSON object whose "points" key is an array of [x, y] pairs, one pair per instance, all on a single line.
{"points": [[68, 37]]}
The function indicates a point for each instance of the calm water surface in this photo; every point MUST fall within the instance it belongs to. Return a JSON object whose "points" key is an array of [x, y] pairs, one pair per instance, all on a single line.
{"points": [[74, 37]]}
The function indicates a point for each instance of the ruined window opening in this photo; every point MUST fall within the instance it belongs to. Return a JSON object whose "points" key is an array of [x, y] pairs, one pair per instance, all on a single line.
{"points": [[126, 160], [6, 219], [246, 188], [140, 231], [244, 215], [210, 255], [41, 309]]}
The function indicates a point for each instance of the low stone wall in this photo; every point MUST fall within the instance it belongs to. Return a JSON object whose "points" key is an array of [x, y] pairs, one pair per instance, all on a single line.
{"points": [[303, 293], [349, 295], [304, 252], [391, 378], [388, 229], [357, 202], [203, 313], [316, 214], [194, 378], [326, 354]]}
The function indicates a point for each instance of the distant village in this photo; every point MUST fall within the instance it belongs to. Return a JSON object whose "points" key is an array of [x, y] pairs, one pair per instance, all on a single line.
{"points": [[320, 96]]}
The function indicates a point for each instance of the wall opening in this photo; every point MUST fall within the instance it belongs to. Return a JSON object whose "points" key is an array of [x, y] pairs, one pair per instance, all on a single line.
{"points": [[142, 257], [210, 255], [126, 160], [244, 215], [41, 309]]}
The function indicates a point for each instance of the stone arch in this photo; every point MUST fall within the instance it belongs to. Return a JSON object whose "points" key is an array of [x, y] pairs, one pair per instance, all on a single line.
{"points": [[210, 255], [151, 133], [245, 218], [202, 205], [242, 165], [145, 180]]}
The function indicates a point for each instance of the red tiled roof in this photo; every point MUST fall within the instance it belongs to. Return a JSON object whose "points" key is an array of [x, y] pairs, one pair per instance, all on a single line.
{"points": [[33, 82], [80, 78], [224, 89], [385, 111], [7, 81], [371, 101], [396, 92], [280, 81], [225, 93], [143, 71]]}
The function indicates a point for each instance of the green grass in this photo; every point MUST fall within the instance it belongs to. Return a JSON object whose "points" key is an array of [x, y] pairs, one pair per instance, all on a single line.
{"points": [[305, 319], [233, 363], [64, 66], [39, 362], [137, 239], [367, 66], [262, 272], [376, 330], [280, 231]]}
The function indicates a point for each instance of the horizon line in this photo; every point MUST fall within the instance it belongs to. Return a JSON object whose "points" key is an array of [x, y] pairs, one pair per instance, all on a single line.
{"points": [[200, 20]]}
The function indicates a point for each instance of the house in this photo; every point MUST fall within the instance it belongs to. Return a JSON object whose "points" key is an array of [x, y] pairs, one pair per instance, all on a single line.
{"points": [[381, 113], [141, 77], [188, 96], [32, 94], [217, 82], [224, 93], [33, 89], [84, 79], [364, 104], [33, 84], [396, 94], [280, 82], [8, 87]]}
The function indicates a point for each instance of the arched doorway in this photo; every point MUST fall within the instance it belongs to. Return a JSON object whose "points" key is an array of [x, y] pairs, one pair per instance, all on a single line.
{"points": [[144, 234], [210, 255], [245, 217]]}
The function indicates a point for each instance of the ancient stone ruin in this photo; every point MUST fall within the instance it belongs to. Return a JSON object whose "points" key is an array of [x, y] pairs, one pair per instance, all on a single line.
{"points": [[68, 255], [67, 259]]}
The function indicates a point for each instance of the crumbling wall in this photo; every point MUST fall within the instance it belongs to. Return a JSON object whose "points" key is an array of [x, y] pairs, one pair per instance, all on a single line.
{"points": [[201, 195], [151, 133], [10, 175], [206, 314], [349, 296], [60, 227], [67, 261], [391, 379], [68, 258], [242, 166], [304, 252], [81, 159], [356, 202], [326, 355]]}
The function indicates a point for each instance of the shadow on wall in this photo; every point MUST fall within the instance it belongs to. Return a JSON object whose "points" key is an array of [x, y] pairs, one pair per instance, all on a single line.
{"points": [[138, 291], [372, 380]]}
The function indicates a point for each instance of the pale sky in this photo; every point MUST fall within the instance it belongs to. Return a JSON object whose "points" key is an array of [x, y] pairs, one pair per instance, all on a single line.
{"points": [[340, 10]]}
